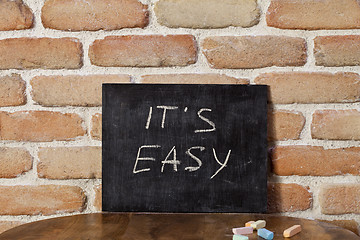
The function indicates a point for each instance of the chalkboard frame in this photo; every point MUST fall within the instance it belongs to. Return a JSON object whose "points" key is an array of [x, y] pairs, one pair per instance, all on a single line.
{"points": [[257, 205]]}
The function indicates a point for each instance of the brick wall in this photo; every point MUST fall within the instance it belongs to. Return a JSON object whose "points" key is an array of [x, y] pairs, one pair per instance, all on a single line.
{"points": [[55, 54]]}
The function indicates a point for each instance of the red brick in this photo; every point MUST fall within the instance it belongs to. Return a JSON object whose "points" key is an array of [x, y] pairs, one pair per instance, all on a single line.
{"points": [[44, 199], [40, 126], [285, 125], [340, 199], [72, 90], [337, 51], [69, 162], [96, 127], [254, 51], [207, 13], [12, 91], [15, 15], [311, 87], [288, 197], [6, 225], [47, 53], [336, 125], [309, 160], [14, 162], [207, 78], [74, 15], [314, 14], [350, 225], [98, 197], [144, 51]]}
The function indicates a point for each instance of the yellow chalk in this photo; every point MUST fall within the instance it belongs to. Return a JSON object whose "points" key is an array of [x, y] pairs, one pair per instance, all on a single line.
{"points": [[258, 224], [292, 231], [248, 224]]}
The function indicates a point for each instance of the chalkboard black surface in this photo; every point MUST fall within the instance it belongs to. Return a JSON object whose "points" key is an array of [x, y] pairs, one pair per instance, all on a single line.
{"points": [[184, 148]]}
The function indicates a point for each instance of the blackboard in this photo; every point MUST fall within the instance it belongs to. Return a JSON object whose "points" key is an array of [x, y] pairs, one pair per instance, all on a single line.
{"points": [[184, 148]]}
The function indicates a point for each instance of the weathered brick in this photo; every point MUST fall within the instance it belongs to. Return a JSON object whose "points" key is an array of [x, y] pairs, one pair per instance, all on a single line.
{"points": [[12, 91], [98, 197], [44, 199], [336, 125], [75, 15], [15, 15], [69, 162], [254, 51], [72, 90], [6, 225], [310, 160], [144, 51], [311, 87], [314, 14], [40, 126], [340, 199], [96, 126], [207, 13], [288, 197], [350, 225], [48, 53], [14, 162], [193, 79], [285, 125], [335, 51]]}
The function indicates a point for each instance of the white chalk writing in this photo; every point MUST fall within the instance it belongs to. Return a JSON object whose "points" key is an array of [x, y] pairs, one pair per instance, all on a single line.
{"points": [[188, 152], [174, 162], [221, 164], [206, 120], [164, 113], [138, 158]]}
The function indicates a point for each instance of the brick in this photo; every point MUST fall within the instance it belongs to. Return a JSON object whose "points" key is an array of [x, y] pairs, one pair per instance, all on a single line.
{"points": [[207, 13], [14, 162], [46, 53], [288, 197], [92, 15], [69, 163], [193, 79], [310, 161], [43, 199], [74, 90], [340, 199], [98, 197], [337, 51], [6, 225], [311, 87], [350, 225], [336, 125], [285, 125], [40, 126], [15, 15], [96, 126], [144, 51], [12, 91], [314, 14], [254, 51]]}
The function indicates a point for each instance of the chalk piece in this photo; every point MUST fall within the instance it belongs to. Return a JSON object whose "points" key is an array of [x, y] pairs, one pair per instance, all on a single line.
{"points": [[292, 231], [240, 237], [243, 230], [264, 233], [248, 224], [258, 224]]}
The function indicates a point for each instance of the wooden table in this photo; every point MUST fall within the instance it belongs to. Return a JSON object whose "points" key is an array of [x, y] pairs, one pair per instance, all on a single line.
{"points": [[134, 226]]}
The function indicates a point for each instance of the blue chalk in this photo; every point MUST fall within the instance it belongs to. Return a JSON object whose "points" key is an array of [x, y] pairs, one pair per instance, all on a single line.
{"points": [[240, 237], [264, 233]]}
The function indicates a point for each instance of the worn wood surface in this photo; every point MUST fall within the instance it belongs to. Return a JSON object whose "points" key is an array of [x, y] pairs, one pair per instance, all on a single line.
{"points": [[138, 226]]}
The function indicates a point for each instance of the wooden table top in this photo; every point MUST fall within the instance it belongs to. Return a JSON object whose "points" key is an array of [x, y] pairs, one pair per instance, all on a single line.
{"points": [[135, 226]]}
